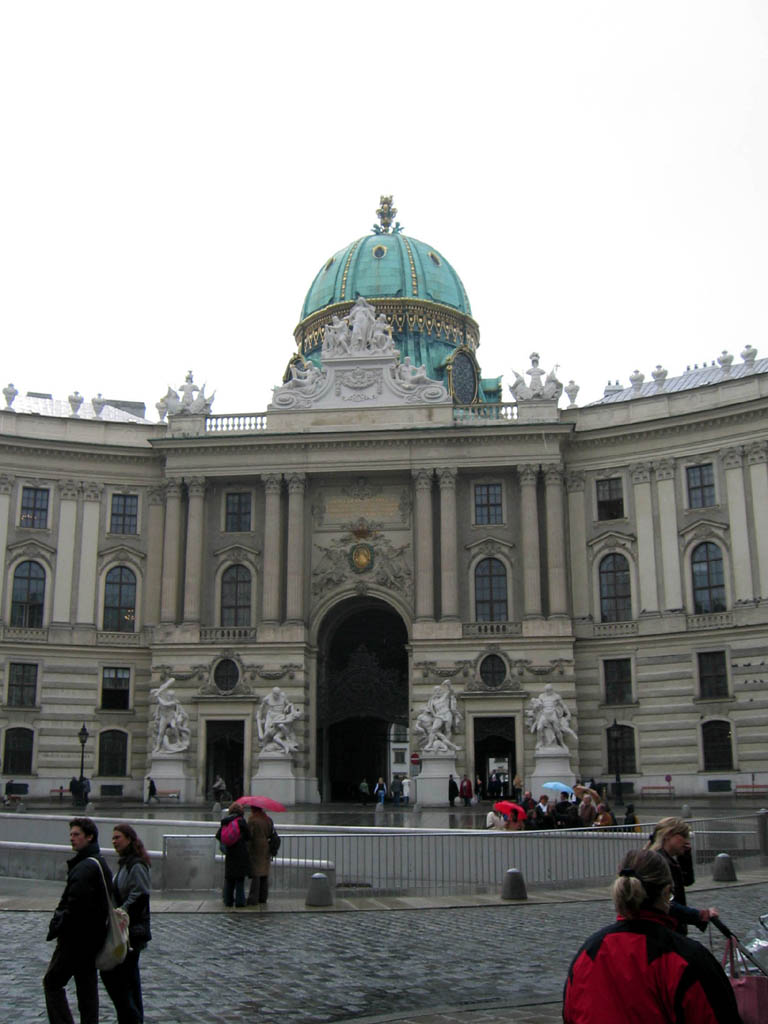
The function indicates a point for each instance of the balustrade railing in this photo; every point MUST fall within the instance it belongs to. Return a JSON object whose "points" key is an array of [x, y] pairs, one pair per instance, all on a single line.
{"points": [[236, 423], [485, 412]]}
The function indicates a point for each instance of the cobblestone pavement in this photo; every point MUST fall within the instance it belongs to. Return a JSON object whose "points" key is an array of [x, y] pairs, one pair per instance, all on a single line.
{"points": [[429, 965]]}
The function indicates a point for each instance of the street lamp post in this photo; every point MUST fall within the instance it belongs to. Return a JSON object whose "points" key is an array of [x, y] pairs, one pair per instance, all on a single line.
{"points": [[83, 737], [615, 737]]}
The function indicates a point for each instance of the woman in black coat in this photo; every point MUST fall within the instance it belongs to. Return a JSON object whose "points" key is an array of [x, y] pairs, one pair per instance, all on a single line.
{"points": [[237, 860], [131, 887]]}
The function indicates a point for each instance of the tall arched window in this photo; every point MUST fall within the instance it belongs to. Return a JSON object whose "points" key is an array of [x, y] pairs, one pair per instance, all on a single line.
{"points": [[120, 600], [708, 579], [717, 746], [17, 755], [28, 597], [615, 589], [236, 596], [621, 749], [113, 752], [490, 591]]}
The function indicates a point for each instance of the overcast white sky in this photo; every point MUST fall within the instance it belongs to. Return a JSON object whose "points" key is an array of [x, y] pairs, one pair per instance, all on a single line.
{"points": [[173, 175]]}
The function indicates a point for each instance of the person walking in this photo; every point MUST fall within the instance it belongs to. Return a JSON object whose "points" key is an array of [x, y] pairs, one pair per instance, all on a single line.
{"points": [[219, 788], [406, 789], [151, 790], [465, 790], [642, 961], [237, 861], [672, 839], [79, 925], [453, 790], [365, 792], [260, 827], [380, 791], [396, 790], [131, 889]]}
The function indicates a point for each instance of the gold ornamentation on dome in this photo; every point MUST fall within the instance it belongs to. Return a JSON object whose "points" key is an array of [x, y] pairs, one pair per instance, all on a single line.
{"points": [[386, 214]]}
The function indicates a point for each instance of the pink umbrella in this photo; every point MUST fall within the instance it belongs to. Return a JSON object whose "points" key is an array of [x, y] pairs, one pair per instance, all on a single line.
{"points": [[266, 803]]}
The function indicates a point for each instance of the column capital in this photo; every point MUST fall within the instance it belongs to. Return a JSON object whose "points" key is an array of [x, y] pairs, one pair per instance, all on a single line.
{"points": [[640, 472], [447, 478], [575, 480], [528, 475], [92, 491], [422, 479], [553, 473], [297, 482], [6, 483], [757, 452], [664, 469], [68, 490], [196, 486], [173, 487], [157, 495], [272, 482], [732, 457]]}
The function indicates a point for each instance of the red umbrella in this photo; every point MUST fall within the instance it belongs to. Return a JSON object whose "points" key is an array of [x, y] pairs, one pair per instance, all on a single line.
{"points": [[506, 807], [266, 803]]}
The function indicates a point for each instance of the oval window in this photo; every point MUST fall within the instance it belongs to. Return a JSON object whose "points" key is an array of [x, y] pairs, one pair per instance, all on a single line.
{"points": [[226, 675]]}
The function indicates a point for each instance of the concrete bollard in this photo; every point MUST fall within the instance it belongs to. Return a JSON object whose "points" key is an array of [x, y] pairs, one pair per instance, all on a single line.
{"points": [[319, 892], [723, 869], [762, 835], [513, 886], [686, 811]]}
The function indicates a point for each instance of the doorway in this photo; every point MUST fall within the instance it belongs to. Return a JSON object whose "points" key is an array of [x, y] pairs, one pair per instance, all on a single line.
{"points": [[224, 751], [495, 751], [362, 692]]}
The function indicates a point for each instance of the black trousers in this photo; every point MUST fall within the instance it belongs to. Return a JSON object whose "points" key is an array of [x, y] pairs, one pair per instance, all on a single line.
{"points": [[259, 890], [69, 961], [123, 983]]}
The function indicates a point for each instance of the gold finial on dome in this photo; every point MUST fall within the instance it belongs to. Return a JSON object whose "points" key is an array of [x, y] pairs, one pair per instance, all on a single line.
{"points": [[386, 214]]}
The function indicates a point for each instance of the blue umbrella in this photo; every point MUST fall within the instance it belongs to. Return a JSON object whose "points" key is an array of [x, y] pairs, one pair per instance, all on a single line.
{"points": [[560, 787]]}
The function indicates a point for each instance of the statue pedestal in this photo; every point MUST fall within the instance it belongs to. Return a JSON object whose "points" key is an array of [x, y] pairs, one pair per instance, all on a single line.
{"points": [[274, 777], [431, 786], [169, 773], [551, 764]]}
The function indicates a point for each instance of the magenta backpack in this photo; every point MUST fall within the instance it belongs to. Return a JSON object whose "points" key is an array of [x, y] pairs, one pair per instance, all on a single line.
{"points": [[230, 832]]}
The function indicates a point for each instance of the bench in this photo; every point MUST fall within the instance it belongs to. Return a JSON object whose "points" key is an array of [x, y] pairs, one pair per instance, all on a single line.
{"points": [[750, 789], [59, 792], [669, 790], [171, 794]]}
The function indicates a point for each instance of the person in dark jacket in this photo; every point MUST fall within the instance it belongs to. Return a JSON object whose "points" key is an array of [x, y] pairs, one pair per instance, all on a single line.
{"points": [[131, 891], [260, 827], [79, 925], [672, 839], [640, 968], [237, 860], [453, 790]]}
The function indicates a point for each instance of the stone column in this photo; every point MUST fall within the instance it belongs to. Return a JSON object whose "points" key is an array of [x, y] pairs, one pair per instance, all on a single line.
{"points": [[425, 580], [171, 552], [154, 534], [646, 547], [556, 573], [668, 535], [577, 520], [757, 460], [449, 590], [6, 488], [194, 561], [272, 548], [741, 567], [294, 581], [65, 551], [531, 550], [89, 546]]}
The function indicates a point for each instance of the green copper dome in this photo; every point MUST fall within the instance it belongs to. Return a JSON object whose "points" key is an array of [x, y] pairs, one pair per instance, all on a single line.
{"points": [[419, 293], [386, 265]]}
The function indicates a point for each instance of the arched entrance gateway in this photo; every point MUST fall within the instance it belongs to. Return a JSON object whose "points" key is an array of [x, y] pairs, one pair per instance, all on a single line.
{"points": [[362, 695]]}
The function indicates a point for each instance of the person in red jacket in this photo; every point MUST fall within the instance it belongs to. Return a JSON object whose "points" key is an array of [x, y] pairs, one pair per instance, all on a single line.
{"points": [[465, 790], [639, 970]]}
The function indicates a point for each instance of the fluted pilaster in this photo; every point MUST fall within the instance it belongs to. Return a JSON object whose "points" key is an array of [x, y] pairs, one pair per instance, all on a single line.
{"points": [[272, 548], [171, 552], [294, 583], [449, 589], [425, 580], [531, 546], [556, 572], [194, 556]]}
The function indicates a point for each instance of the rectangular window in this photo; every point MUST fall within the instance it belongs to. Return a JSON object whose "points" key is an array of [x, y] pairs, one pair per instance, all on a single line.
{"points": [[116, 689], [617, 673], [34, 508], [399, 757], [713, 675], [610, 499], [701, 485], [238, 513], [125, 514], [488, 508], [22, 685]]}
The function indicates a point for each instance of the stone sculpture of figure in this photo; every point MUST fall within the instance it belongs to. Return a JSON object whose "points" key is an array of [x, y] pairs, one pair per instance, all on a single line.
{"points": [[381, 339], [409, 375], [336, 337], [549, 718], [171, 722], [549, 388], [439, 718], [274, 722], [361, 321], [304, 377]]}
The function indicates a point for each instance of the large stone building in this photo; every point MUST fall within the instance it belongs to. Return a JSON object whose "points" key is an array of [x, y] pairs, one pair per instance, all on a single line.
{"points": [[387, 523]]}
